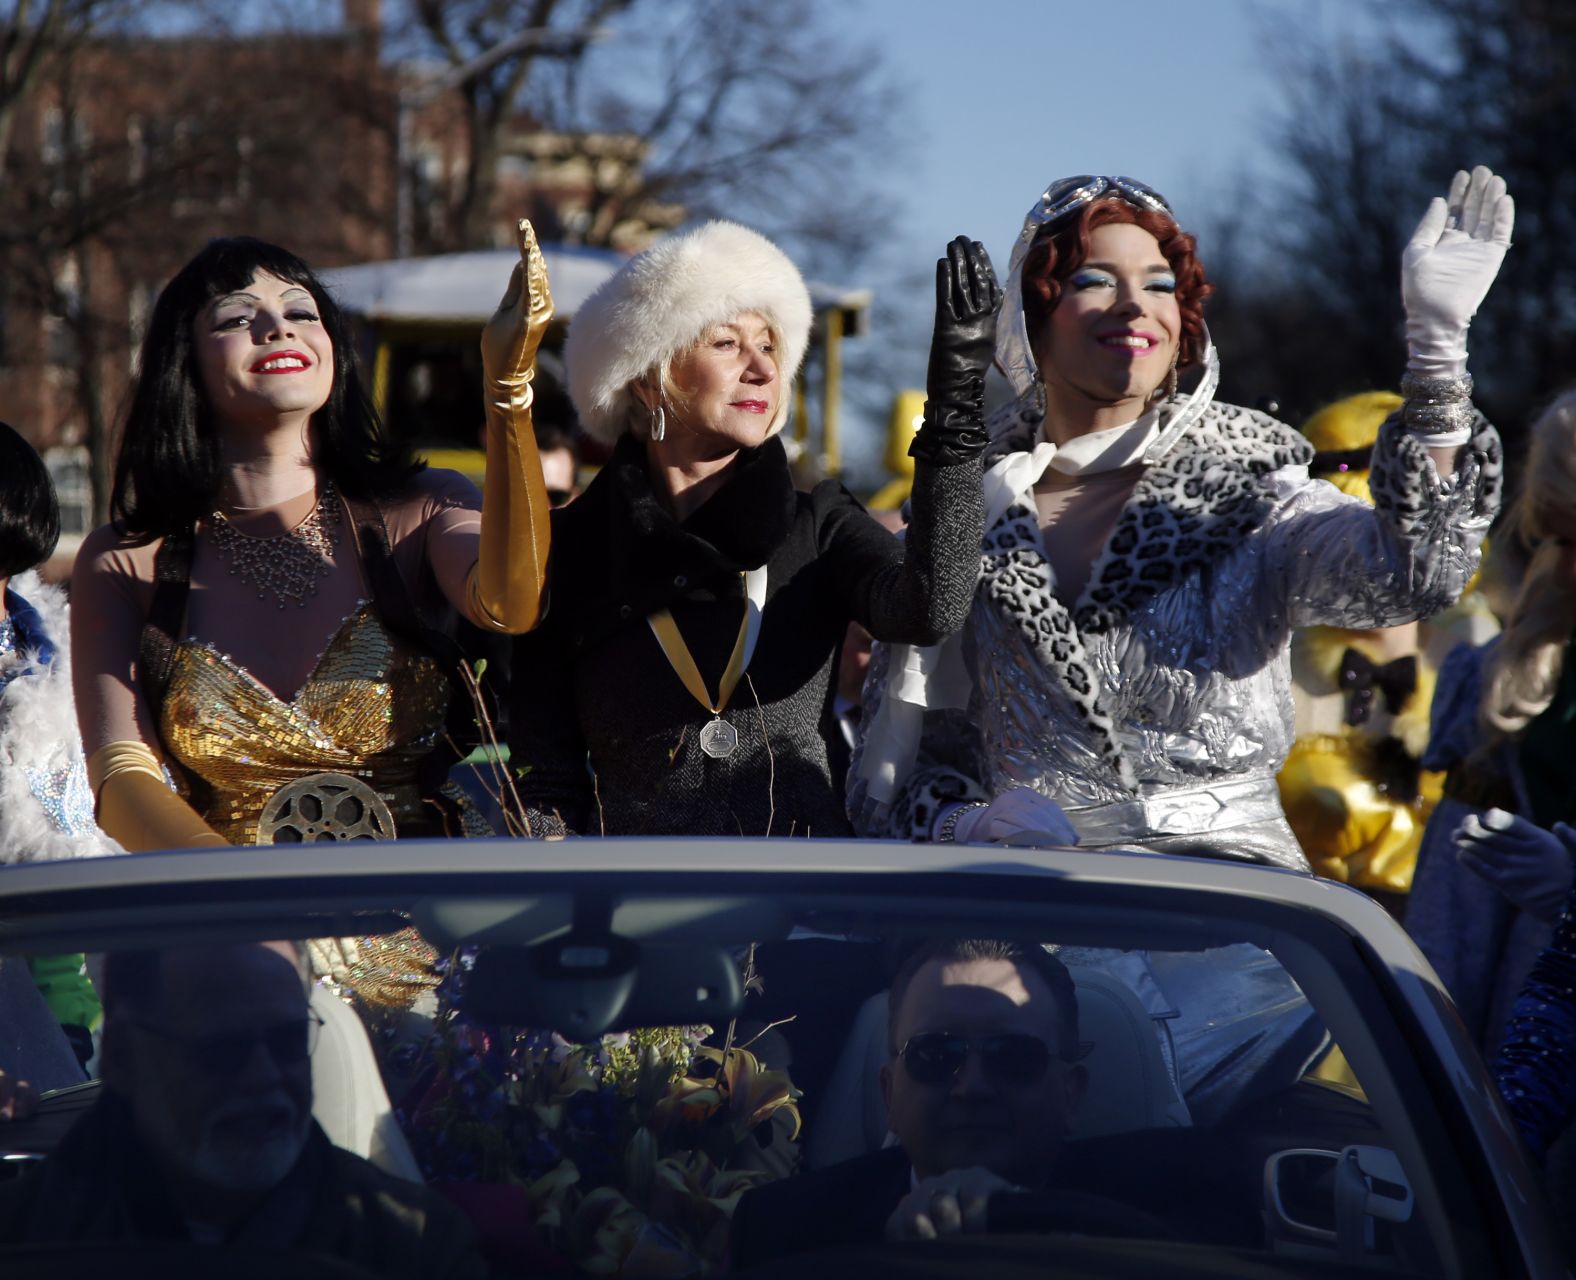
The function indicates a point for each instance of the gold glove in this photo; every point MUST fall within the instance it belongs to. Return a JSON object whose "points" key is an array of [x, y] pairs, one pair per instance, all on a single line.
{"points": [[136, 805], [508, 584]]}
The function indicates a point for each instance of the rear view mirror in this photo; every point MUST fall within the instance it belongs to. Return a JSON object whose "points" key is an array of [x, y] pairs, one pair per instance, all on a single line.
{"points": [[585, 986]]}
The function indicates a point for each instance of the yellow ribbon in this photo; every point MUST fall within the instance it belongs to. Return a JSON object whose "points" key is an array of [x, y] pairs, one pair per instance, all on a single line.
{"points": [[680, 659]]}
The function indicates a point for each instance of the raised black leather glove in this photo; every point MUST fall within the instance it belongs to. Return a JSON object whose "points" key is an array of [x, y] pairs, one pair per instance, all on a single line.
{"points": [[961, 349]]}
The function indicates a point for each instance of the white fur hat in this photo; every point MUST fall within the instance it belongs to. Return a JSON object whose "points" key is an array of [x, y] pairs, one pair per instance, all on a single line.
{"points": [[663, 299]]}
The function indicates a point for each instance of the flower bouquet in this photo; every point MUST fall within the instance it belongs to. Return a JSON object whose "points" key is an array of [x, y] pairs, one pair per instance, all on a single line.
{"points": [[627, 1154]]}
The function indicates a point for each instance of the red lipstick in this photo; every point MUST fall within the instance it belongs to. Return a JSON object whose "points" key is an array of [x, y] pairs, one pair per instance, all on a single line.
{"points": [[283, 362]]}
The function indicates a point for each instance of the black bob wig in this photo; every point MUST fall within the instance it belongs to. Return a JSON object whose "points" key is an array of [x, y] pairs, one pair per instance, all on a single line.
{"points": [[29, 514], [168, 474]]}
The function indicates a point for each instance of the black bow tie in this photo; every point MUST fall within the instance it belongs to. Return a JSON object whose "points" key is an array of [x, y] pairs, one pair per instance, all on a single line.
{"points": [[1361, 677]]}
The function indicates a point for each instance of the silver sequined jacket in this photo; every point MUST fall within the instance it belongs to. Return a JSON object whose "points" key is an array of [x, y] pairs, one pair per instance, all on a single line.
{"points": [[1158, 710]]}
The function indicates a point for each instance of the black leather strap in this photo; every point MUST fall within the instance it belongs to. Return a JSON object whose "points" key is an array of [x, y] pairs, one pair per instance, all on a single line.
{"points": [[172, 583]]}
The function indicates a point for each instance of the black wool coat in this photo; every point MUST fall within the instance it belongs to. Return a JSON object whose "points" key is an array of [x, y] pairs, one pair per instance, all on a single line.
{"points": [[604, 730]]}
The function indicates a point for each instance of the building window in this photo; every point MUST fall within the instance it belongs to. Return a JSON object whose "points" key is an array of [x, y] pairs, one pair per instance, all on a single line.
{"points": [[60, 325], [139, 305], [136, 150], [68, 468]]}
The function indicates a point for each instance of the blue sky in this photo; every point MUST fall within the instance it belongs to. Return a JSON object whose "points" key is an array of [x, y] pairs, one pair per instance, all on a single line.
{"points": [[1174, 92], [1008, 95]]}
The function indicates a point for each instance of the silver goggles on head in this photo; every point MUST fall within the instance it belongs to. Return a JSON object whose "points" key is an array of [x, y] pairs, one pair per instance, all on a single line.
{"points": [[1015, 358]]}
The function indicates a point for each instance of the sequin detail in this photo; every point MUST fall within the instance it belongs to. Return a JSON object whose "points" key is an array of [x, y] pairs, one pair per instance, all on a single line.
{"points": [[65, 796], [289, 565], [372, 708]]}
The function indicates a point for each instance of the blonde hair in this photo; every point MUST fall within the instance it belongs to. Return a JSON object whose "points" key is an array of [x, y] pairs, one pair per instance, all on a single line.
{"points": [[1525, 671], [672, 396]]}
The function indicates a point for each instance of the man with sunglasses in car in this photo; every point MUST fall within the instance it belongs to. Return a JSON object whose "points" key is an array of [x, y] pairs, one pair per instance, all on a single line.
{"points": [[981, 1089], [204, 1134]]}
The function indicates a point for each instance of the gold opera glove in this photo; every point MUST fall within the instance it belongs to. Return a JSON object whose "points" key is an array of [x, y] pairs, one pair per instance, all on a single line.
{"points": [[136, 805], [507, 586]]}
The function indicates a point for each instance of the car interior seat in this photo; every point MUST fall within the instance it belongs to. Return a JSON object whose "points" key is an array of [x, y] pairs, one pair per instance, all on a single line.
{"points": [[1129, 1086], [348, 1097]]}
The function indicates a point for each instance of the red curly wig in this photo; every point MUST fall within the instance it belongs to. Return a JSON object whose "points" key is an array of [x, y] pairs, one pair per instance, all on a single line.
{"points": [[1060, 248]]}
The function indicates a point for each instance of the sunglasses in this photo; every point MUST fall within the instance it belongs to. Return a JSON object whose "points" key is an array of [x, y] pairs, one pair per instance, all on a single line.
{"points": [[1068, 194], [1009, 1058], [288, 1044]]}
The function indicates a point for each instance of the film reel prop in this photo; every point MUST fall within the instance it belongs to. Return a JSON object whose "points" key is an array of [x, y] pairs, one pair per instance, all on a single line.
{"points": [[324, 806]]}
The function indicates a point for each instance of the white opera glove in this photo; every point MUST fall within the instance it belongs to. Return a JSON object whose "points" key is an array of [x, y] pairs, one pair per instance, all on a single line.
{"points": [[1013, 815], [1448, 266], [1531, 867]]}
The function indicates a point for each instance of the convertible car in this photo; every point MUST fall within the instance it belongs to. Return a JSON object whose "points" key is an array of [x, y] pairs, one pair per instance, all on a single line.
{"points": [[1278, 1084]]}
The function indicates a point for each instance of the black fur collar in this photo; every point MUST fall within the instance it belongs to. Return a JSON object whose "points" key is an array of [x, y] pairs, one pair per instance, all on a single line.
{"points": [[623, 554]]}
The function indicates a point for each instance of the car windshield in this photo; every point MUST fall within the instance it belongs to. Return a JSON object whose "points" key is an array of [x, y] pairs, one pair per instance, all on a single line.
{"points": [[663, 1071]]}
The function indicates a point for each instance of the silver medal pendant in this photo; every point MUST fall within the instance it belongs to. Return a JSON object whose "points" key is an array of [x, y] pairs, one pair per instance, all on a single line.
{"points": [[718, 739]]}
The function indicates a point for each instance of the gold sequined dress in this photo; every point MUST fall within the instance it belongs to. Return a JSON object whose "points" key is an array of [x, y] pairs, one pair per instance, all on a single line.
{"points": [[372, 708]]}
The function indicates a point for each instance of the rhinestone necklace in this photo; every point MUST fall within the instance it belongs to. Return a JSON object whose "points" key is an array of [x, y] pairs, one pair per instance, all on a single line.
{"points": [[286, 566]]}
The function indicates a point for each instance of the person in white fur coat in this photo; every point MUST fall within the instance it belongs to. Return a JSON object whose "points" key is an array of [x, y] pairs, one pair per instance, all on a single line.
{"points": [[46, 810]]}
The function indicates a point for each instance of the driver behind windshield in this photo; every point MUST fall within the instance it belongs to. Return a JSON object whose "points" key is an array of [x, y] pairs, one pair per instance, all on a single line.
{"points": [[981, 1089], [204, 1133]]}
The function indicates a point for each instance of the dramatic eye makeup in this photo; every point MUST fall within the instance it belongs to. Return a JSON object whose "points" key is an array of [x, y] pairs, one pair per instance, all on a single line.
{"points": [[1090, 278]]}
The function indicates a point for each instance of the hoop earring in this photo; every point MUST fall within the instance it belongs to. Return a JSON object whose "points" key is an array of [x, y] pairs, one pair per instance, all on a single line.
{"points": [[659, 424]]}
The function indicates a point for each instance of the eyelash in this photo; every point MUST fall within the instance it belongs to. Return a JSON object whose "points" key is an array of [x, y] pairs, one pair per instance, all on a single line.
{"points": [[243, 321], [1082, 282]]}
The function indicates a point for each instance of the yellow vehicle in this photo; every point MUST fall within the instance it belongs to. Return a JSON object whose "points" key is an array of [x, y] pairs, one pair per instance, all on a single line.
{"points": [[420, 322]]}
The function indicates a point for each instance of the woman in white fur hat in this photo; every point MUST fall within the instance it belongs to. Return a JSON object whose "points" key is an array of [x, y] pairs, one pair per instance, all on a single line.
{"points": [[681, 683]]}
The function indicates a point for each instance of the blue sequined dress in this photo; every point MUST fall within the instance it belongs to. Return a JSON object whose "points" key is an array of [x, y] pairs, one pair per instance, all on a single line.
{"points": [[1536, 1067]]}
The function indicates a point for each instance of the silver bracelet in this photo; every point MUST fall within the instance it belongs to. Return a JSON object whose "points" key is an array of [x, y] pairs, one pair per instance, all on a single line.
{"points": [[1441, 388], [1424, 420], [946, 832], [1438, 405]]}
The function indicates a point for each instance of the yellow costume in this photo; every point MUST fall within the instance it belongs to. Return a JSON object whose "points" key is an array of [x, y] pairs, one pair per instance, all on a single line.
{"points": [[1351, 785], [1356, 800]]}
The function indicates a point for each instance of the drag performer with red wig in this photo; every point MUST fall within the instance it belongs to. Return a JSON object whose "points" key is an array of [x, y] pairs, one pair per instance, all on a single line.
{"points": [[1148, 551]]}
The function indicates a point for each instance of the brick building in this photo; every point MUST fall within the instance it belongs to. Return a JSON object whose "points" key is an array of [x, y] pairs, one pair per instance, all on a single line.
{"points": [[142, 147]]}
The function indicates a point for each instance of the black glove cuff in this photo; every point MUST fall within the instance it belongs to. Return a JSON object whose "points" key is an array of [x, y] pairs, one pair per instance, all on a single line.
{"points": [[949, 438]]}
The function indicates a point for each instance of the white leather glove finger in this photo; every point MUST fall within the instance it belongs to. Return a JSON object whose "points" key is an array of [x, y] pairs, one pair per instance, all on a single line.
{"points": [[1012, 815], [1448, 266]]}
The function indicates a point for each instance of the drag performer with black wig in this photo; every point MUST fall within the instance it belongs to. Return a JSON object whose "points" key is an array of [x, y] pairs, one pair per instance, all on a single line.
{"points": [[1149, 551], [682, 683], [266, 606]]}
